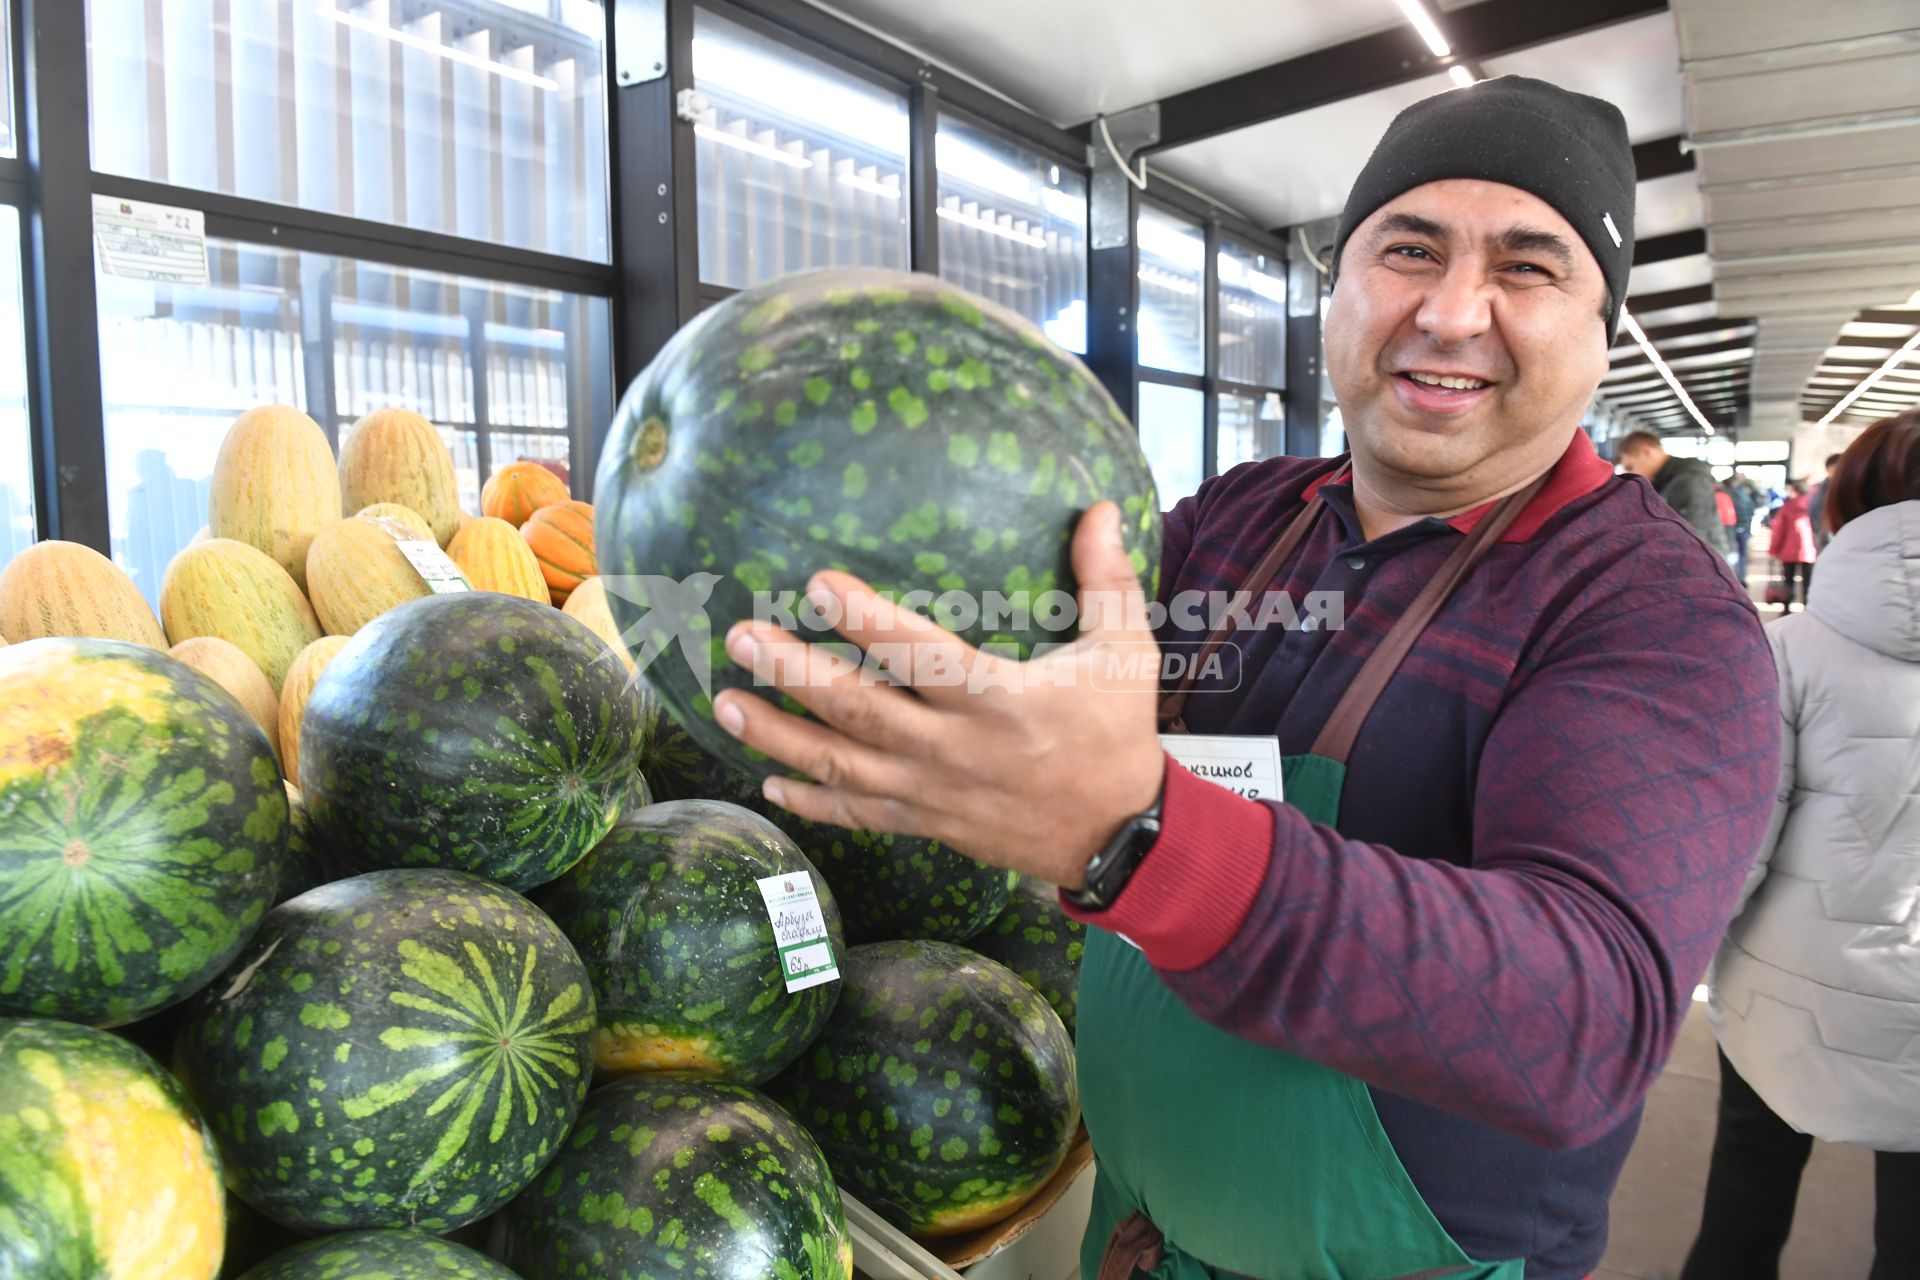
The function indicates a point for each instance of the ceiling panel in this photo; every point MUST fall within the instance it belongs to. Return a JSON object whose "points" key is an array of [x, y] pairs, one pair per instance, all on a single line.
{"points": [[1667, 204], [1719, 28], [1634, 65], [1675, 273], [1873, 189]]}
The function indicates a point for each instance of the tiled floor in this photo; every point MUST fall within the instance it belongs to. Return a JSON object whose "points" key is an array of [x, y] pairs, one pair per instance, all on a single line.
{"points": [[1656, 1208]]}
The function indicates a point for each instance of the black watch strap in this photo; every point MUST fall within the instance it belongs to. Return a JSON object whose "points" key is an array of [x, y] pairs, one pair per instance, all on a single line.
{"points": [[1110, 869]]}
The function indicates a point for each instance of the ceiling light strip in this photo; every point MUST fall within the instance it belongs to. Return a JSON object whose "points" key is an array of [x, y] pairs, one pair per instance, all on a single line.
{"points": [[1429, 30], [412, 41], [1893, 362], [1654, 358]]}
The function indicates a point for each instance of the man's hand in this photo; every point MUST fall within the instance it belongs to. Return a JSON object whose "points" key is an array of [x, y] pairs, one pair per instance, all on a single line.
{"points": [[1029, 765]]}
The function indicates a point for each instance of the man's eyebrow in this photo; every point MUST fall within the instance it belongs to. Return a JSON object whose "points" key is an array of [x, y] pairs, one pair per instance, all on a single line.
{"points": [[1408, 224], [1534, 240]]}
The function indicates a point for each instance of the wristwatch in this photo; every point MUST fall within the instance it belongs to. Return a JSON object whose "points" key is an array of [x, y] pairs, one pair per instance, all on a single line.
{"points": [[1112, 867]]}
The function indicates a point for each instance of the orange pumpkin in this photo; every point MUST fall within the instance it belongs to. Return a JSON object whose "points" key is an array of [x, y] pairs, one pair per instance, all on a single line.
{"points": [[561, 536], [519, 489]]}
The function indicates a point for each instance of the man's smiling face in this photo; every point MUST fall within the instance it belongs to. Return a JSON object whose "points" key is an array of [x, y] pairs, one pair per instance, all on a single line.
{"points": [[1466, 333]]}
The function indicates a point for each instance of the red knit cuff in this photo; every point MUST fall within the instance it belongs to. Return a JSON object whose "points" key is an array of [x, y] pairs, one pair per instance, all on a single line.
{"points": [[1194, 888]]}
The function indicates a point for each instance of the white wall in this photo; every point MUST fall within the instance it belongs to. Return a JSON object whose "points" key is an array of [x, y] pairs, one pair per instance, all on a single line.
{"points": [[1811, 445]]}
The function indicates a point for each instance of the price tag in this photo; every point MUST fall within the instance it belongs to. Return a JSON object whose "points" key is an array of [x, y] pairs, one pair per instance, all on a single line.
{"points": [[799, 930], [1244, 765], [153, 242], [435, 567]]}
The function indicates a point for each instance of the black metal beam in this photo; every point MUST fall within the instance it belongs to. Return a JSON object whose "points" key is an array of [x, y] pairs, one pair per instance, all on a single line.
{"points": [[923, 177], [1661, 158], [1677, 244], [1884, 344], [1687, 353], [1113, 304], [63, 326], [1689, 297], [1890, 315], [1693, 329], [1210, 351], [1303, 358], [1395, 56]]}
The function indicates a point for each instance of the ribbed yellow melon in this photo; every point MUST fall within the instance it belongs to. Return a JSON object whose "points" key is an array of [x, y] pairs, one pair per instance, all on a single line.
{"points": [[495, 557], [66, 589], [226, 588], [357, 572], [395, 455], [274, 485], [588, 605], [223, 662], [301, 677], [404, 515]]}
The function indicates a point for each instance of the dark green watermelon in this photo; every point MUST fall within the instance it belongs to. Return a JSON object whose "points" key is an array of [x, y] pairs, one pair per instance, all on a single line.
{"points": [[885, 424], [887, 886], [942, 1089], [475, 731], [379, 1255], [309, 863], [668, 915], [399, 1049], [1040, 942], [143, 830], [667, 1177]]}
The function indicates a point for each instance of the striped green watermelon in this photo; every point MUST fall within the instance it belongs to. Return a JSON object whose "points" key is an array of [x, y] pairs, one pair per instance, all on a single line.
{"points": [[475, 731], [667, 1177], [399, 1049], [143, 829], [379, 1255], [887, 886], [942, 1090], [668, 915], [881, 423], [106, 1172], [1040, 942]]}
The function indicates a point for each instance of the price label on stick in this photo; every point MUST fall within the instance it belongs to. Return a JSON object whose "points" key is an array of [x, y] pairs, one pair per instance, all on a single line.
{"points": [[435, 567], [799, 930]]}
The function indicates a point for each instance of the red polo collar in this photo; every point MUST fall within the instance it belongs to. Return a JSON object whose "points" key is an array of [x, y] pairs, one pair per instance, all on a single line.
{"points": [[1579, 472]]}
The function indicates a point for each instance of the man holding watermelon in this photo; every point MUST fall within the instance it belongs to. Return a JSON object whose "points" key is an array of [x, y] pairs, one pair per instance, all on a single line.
{"points": [[1402, 1024]]}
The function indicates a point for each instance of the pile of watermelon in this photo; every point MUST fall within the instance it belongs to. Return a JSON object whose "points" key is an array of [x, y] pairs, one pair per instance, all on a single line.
{"points": [[451, 909]]}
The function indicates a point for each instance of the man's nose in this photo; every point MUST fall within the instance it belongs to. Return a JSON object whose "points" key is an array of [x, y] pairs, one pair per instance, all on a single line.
{"points": [[1458, 307]]}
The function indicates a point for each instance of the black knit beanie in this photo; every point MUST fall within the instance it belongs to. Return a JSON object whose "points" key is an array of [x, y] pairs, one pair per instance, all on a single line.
{"points": [[1564, 147]]}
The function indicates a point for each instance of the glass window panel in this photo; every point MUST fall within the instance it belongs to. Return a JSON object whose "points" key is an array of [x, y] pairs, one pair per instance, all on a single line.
{"points": [[273, 326], [480, 121], [1173, 268], [1172, 428], [1251, 429], [1253, 316], [801, 165], [9, 144], [1013, 228], [16, 434]]}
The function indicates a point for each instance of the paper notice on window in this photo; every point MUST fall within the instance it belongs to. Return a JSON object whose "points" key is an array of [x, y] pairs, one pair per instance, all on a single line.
{"points": [[153, 242], [435, 566]]}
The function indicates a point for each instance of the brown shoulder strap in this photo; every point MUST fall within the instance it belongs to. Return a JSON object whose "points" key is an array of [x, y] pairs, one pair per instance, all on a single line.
{"points": [[1172, 704], [1342, 729]]}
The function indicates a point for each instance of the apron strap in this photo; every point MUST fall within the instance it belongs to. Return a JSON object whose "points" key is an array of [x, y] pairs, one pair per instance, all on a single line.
{"points": [[1342, 728], [1135, 1245], [1172, 704]]}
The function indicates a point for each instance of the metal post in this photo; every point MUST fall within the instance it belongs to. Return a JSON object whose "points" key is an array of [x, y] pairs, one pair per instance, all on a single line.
{"points": [[923, 175], [63, 327], [1113, 259], [1303, 355], [1210, 347]]}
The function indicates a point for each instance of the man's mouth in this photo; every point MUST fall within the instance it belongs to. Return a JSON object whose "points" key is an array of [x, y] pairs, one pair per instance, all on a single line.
{"points": [[1446, 381]]}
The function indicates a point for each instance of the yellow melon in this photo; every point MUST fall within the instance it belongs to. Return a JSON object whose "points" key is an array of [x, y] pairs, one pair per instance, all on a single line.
{"points": [[66, 589], [223, 662], [404, 515], [226, 588], [395, 455], [357, 572], [588, 605], [495, 557], [301, 677], [274, 485]]}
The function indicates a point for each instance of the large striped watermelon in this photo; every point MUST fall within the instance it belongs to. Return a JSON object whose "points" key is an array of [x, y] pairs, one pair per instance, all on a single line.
{"points": [[667, 913], [379, 1255], [885, 424], [942, 1089], [476, 731], [666, 1177], [106, 1172], [399, 1049], [1040, 942], [143, 829]]}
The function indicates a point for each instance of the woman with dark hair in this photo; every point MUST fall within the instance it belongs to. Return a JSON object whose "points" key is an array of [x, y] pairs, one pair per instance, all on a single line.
{"points": [[1816, 991], [1792, 541]]}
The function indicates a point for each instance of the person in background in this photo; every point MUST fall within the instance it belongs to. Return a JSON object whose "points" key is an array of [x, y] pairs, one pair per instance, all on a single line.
{"points": [[1729, 516], [1792, 543], [1817, 506], [1746, 500], [1816, 991], [1685, 483]]}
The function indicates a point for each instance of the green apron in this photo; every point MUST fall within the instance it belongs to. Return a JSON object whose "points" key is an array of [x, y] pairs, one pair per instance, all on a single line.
{"points": [[1212, 1147]]}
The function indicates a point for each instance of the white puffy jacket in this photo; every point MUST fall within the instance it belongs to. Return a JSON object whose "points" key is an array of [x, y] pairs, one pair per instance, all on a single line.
{"points": [[1816, 992]]}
